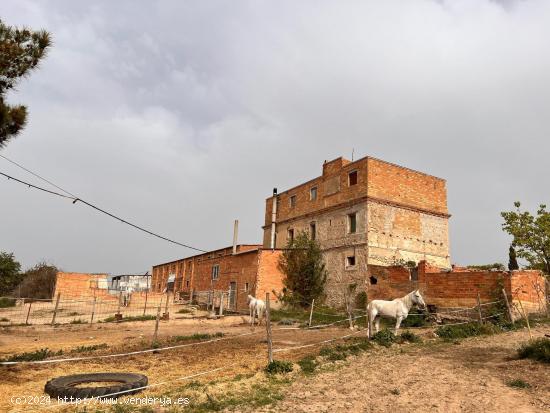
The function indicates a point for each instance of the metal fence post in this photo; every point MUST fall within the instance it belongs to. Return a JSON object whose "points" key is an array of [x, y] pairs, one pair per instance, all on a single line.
{"points": [[268, 329], [55, 308], [155, 335], [93, 311], [311, 312]]}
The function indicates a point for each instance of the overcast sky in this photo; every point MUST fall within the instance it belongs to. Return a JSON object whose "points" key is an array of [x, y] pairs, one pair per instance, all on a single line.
{"points": [[182, 116]]}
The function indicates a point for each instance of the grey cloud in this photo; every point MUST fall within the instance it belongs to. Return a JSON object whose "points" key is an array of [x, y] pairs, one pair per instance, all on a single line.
{"points": [[182, 116]]}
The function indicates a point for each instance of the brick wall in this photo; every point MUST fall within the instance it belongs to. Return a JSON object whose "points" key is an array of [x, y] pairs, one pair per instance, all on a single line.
{"points": [[73, 285], [269, 278], [460, 288]]}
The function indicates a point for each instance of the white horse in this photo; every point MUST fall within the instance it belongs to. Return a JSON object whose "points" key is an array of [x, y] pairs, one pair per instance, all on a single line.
{"points": [[257, 308], [398, 309]]}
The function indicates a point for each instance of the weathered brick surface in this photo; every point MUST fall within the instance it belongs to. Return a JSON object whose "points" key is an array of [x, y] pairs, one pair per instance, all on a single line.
{"points": [[401, 215], [251, 265]]}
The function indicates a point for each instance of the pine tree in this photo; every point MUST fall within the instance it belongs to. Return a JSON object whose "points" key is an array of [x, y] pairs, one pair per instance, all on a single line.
{"points": [[20, 52], [306, 275], [513, 262]]}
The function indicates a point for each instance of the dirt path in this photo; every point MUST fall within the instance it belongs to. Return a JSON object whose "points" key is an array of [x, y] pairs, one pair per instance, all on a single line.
{"points": [[468, 377]]}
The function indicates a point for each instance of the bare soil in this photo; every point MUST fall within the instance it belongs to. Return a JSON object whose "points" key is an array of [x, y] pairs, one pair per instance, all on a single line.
{"points": [[470, 376]]}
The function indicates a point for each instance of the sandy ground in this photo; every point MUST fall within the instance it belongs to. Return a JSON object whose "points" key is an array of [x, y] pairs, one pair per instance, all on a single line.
{"points": [[433, 377], [468, 377]]}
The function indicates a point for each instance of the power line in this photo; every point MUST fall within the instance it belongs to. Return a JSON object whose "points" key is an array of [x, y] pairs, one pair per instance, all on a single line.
{"points": [[76, 199]]}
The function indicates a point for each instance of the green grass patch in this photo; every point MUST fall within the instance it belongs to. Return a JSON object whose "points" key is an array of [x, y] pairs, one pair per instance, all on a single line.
{"points": [[279, 367], [93, 347], [37, 355], [450, 333], [518, 383], [352, 347], [7, 302], [321, 315], [308, 365], [77, 321], [130, 318], [384, 338], [409, 336], [195, 337], [537, 349], [73, 314]]}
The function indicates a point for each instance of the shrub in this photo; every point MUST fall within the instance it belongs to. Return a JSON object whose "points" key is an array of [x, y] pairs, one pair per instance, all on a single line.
{"points": [[308, 364], [4, 320], [384, 338], [410, 337], [279, 367], [196, 336], [415, 319], [7, 302], [518, 383], [537, 349], [361, 300], [452, 332], [77, 321], [287, 322], [184, 311], [85, 349]]}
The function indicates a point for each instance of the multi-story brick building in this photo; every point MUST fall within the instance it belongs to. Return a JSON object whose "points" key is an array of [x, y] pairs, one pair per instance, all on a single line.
{"points": [[242, 270], [364, 212]]}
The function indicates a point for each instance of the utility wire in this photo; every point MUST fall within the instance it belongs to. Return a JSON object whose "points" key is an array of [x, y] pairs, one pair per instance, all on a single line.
{"points": [[76, 199]]}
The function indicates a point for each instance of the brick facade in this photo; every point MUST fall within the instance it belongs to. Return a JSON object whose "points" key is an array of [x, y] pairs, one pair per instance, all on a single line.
{"points": [[252, 270], [457, 288], [399, 215]]}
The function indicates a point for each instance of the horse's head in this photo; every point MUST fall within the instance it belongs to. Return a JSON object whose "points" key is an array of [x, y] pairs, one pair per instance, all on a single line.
{"points": [[417, 299]]}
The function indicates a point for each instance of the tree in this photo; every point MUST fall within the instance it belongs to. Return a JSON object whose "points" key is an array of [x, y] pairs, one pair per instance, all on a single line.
{"points": [[531, 235], [20, 52], [10, 276], [512, 261], [302, 263], [38, 282]]}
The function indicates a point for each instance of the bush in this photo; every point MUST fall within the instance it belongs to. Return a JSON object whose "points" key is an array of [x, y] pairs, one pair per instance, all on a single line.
{"points": [[453, 332], [287, 322], [384, 338], [518, 383], [361, 300], [85, 349], [308, 364], [415, 319], [410, 337], [196, 336], [7, 302], [537, 349], [279, 367], [77, 321]]}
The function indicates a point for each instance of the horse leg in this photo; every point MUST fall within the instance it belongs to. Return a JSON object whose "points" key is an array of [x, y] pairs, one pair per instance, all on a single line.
{"points": [[398, 323], [377, 323]]}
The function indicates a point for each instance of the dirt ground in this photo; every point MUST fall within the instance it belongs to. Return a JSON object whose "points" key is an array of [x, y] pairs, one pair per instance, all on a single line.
{"points": [[434, 376], [466, 377]]}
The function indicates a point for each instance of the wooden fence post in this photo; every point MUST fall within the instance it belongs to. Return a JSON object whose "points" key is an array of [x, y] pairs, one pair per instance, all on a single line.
{"points": [[268, 329], [155, 335], [28, 313], [93, 311], [526, 317], [55, 308], [221, 304], [118, 315], [166, 315], [311, 312], [508, 308], [479, 309]]}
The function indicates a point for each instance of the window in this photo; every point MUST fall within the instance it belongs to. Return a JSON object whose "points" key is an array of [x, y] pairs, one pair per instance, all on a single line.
{"points": [[312, 230], [313, 194], [350, 261], [187, 283], [352, 178], [245, 287], [352, 223], [373, 280], [290, 235], [215, 271], [293, 201]]}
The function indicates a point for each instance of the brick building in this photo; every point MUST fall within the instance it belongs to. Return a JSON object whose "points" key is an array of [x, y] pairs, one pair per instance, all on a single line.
{"points": [[364, 212], [242, 270]]}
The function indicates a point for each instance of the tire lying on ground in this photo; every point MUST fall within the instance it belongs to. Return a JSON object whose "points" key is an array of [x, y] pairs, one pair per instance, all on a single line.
{"points": [[64, 386]]}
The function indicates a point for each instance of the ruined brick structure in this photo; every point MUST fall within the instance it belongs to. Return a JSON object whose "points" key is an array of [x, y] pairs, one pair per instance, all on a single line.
{"points": [[364, 212], [250, 270]]}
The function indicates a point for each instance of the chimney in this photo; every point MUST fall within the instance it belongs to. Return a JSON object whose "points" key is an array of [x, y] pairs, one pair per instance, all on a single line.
{"points": [[273, 217], [235, 236]]}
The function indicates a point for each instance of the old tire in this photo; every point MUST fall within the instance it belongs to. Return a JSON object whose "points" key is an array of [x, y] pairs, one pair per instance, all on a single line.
{"points": [[64, 386]]}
